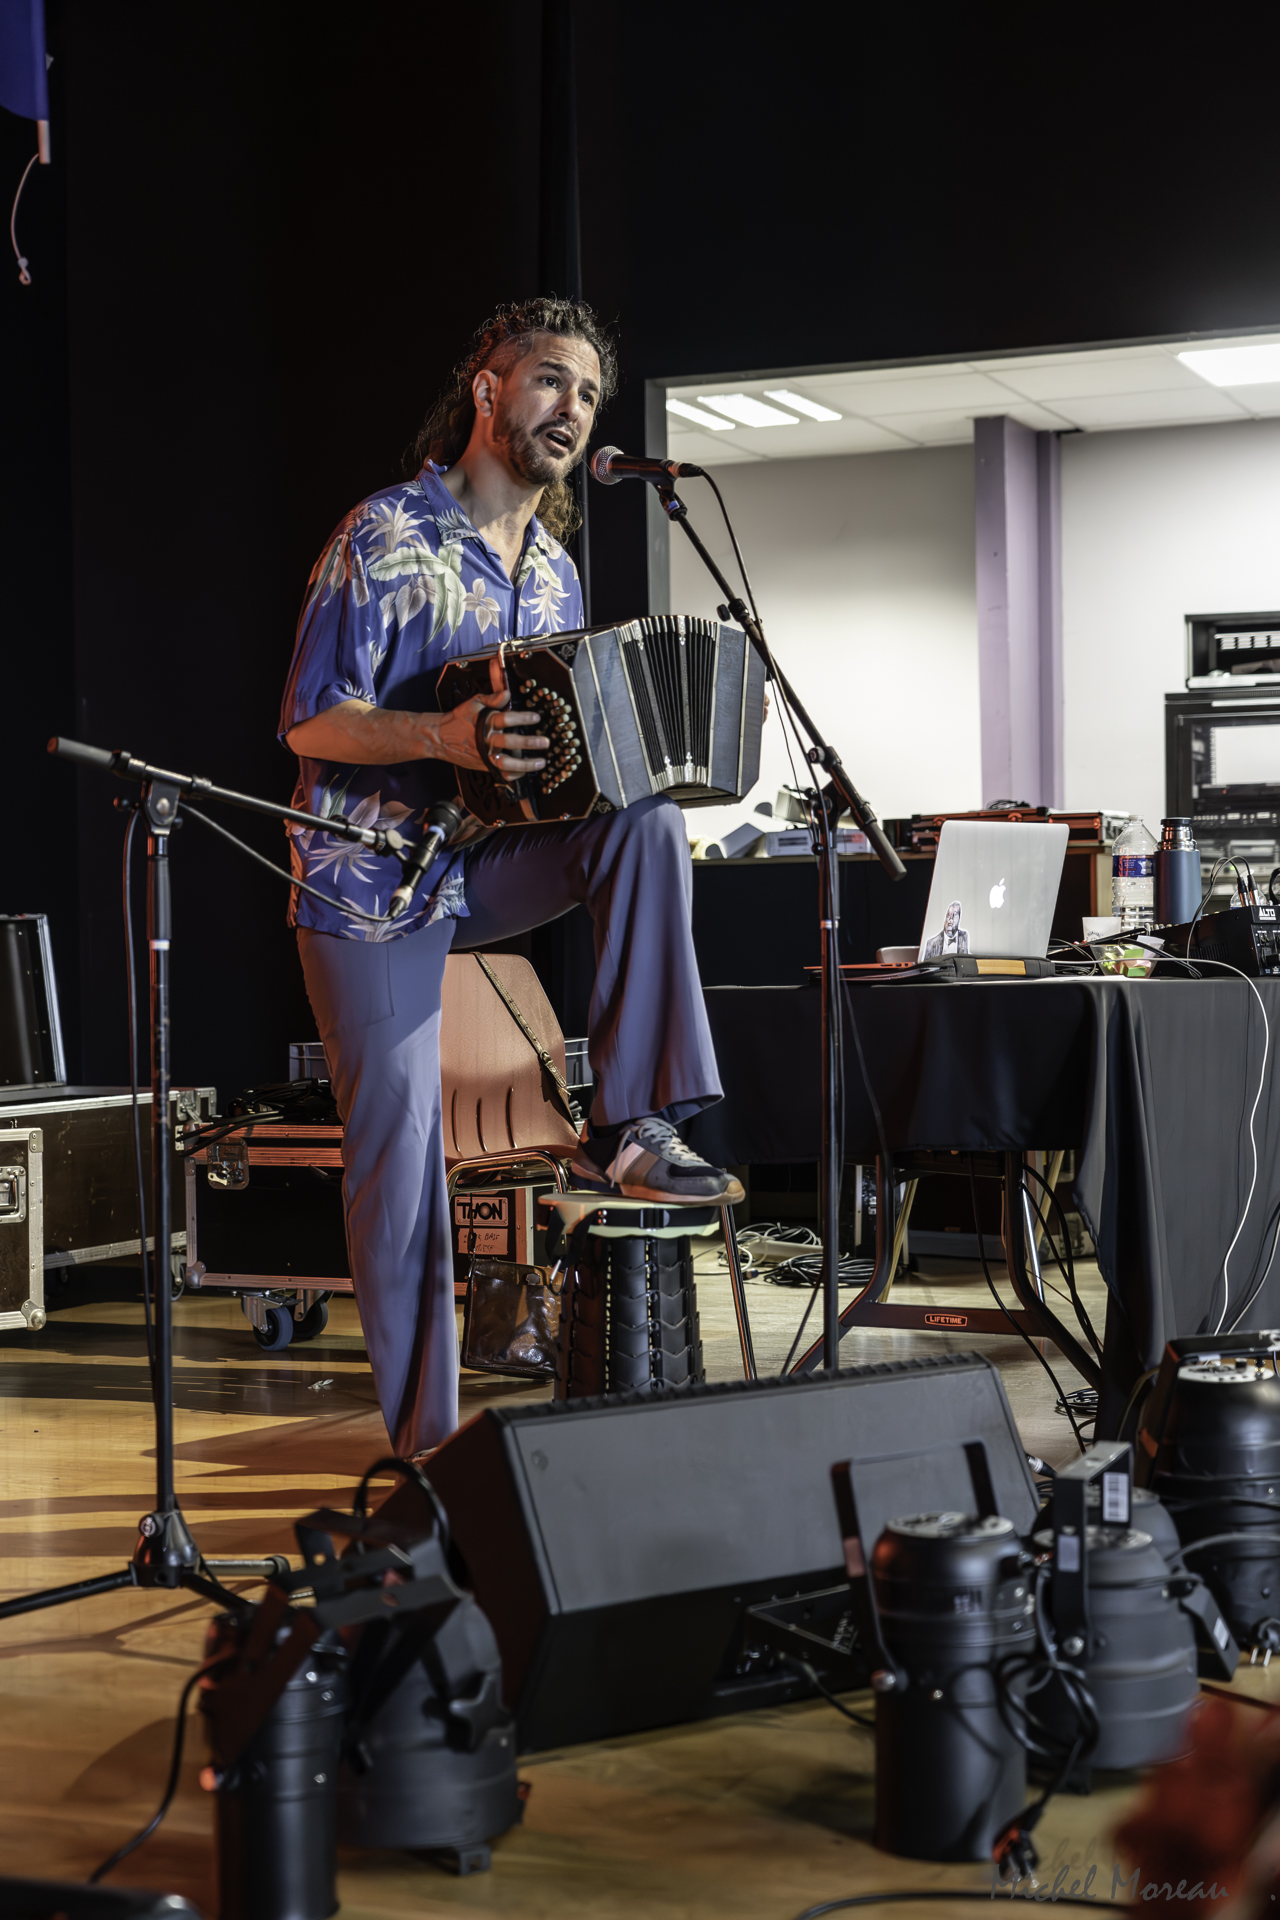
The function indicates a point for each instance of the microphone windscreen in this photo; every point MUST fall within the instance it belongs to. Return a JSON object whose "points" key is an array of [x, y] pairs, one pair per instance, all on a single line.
{"points": [[600, 463]]}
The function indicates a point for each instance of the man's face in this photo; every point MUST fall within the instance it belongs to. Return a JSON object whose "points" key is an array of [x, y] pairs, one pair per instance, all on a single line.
{"points": [[953, 918], [544, 408]]}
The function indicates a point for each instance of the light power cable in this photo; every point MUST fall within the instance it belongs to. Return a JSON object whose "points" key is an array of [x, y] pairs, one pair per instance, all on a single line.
{"points": [[171, 1787]]}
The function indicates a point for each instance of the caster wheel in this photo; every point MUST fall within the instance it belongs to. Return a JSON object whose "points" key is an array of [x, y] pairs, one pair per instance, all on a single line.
{"points": [[313, 1322], [278, 1331], [177, 1276]]}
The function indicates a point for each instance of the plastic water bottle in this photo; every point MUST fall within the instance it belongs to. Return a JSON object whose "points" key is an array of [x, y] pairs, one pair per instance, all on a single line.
{"points": [[1133, 875]]}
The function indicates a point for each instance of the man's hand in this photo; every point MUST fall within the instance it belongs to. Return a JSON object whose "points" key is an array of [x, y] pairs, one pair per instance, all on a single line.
{"points": [[356, 733], [506, 745]]}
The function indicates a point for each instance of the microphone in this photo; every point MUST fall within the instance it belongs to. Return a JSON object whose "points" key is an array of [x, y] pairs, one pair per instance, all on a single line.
{"points": [[440, 820], [611, 464]]}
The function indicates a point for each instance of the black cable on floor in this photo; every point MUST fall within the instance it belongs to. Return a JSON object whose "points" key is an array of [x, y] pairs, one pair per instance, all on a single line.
{"points": [[171, 1787], [899, 1895]]}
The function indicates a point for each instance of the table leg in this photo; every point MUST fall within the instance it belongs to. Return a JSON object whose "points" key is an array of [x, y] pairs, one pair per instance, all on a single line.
{"points": [[1033, 1252], [739, 1292], [877, 1288], [872, 1307], [1041, 1317]]}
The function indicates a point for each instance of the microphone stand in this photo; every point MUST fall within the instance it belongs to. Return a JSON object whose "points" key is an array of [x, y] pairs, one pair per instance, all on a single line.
{"points": [[166, 1554], [838, 795]]}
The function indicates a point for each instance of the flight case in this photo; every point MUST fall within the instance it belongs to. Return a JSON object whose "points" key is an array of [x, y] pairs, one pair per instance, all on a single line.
{"points": [[78, 1173]]}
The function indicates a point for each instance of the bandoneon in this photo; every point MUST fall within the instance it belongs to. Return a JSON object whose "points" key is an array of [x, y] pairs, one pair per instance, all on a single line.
{"points": [[667, 704]]}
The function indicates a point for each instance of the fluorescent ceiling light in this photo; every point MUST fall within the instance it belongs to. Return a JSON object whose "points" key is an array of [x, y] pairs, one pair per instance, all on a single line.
{"points": [[1234, 366], [801, 405], [748, 412], [702, 419]]}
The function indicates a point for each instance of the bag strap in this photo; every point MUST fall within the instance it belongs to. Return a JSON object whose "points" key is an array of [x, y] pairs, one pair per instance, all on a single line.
{"points": [[548, 1065]]}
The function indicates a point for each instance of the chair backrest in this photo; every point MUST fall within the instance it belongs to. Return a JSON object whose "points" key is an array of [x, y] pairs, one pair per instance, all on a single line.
{"points": [[497, 1100]]}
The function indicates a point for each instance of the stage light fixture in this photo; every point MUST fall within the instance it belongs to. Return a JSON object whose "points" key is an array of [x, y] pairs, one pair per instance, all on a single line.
{"points": [[697, 415], [1235, 366], [801, 405], [747, 411]]}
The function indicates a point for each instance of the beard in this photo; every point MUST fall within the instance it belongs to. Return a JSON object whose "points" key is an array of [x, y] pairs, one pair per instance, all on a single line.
{"points": [[532, 458]]}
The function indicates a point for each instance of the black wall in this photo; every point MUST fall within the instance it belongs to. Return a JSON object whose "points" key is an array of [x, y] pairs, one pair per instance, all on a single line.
{"points": [[269, 231]]}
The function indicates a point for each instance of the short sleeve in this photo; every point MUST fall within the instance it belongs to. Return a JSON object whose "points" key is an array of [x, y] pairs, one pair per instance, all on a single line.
{"points": [[334, 657]]}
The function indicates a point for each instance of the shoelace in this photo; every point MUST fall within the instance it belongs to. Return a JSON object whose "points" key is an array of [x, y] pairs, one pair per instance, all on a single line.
{"points": [[660, 1137]]}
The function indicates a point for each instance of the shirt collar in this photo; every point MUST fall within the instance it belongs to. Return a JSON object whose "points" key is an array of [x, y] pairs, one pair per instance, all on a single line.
{"points": [[439, 496]]}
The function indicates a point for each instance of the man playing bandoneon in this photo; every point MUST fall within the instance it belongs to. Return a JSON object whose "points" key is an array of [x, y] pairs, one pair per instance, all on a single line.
{"points": [[463, 555]]}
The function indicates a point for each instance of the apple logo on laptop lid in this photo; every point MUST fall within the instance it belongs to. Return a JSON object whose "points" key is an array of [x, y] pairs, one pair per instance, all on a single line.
{"points": [[996, 897]]}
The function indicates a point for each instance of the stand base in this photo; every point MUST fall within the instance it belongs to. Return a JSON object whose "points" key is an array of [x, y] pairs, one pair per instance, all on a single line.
{"points": [[168, 1532]]}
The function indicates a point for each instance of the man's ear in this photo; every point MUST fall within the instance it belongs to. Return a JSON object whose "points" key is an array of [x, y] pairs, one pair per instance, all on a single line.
{"points": [[484, 391]]}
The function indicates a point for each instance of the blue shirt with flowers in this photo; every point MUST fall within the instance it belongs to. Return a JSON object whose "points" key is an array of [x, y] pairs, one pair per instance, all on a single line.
{"points": [[404, 584]]}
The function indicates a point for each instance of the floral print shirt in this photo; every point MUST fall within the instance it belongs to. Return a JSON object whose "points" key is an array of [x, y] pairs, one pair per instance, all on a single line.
{"points": [[405, 583]]}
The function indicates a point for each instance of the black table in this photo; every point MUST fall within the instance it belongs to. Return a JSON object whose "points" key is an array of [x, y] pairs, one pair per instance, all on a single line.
{"points": [[1150, 1081]]}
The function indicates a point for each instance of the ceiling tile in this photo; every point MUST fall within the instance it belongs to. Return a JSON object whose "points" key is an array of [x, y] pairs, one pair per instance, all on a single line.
{"points": [[941, 429], [707, 449], [1114, 410], [874, 396], [850, 435], [1042, 419], [1262, 399], [1143, 373]]}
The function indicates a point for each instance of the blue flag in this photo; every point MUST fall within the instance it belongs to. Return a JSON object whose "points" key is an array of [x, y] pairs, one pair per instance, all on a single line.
{"points": [[24, 86]]}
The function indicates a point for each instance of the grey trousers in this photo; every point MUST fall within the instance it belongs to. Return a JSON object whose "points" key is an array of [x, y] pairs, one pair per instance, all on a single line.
{"points": [[377, 1007]]}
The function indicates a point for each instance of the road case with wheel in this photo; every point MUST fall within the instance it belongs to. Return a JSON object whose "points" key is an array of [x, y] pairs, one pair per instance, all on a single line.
{"points": [[264, 1221], [21, 1228], [90, 1191]]}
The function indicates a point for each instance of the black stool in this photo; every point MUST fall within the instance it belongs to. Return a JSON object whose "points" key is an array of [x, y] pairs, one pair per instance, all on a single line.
{"points": [[628, 1309]]}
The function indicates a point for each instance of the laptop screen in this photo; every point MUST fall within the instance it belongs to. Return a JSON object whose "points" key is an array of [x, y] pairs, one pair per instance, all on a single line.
{"points": [[995, 886]]}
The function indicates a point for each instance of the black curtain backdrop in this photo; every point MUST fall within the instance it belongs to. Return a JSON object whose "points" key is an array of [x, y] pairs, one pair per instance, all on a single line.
{"points": [[269, 232]]}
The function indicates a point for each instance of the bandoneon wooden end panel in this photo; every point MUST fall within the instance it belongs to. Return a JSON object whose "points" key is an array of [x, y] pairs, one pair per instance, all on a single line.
{"points": [[667, 704]]}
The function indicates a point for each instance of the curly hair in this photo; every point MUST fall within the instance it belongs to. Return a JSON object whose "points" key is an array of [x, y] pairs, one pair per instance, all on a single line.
{"points": [[500, 343]]}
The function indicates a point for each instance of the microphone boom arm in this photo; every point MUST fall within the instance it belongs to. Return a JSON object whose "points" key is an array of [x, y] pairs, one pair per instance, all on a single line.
{"points": [[380, 840]]}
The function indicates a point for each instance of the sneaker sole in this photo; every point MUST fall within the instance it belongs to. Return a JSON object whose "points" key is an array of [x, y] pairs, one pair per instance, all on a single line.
{"points": [[732, 1193]]}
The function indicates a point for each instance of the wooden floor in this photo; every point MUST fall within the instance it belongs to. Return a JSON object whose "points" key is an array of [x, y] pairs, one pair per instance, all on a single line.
{"points": [[758, 1816]]}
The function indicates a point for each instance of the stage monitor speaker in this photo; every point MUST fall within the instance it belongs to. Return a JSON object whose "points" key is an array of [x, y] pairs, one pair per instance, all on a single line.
{"points": [[615, 1544]]}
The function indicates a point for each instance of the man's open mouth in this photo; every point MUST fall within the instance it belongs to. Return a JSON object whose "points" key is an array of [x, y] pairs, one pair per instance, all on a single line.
{"points": [[563, 441]]}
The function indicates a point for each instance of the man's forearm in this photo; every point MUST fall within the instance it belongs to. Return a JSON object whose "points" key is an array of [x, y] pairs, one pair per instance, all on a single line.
{"points": [[356, 733]]}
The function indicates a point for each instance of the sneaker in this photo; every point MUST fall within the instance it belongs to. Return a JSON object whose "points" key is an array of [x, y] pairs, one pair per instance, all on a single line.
{"points": [[649, 1161]]}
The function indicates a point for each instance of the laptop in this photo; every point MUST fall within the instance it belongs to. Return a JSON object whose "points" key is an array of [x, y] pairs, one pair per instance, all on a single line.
{"points": [[995, 886]]}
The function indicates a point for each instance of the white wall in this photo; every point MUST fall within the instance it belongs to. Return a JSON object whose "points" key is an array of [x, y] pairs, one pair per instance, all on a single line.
{"points": [[1155, 525], [863, 569]]}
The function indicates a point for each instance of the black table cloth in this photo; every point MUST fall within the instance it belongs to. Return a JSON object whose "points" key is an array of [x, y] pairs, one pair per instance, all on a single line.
{"points": [[1151, 1081]]}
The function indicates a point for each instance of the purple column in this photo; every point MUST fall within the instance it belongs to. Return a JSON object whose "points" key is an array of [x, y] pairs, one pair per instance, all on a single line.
{"points": [[1019, 617]]}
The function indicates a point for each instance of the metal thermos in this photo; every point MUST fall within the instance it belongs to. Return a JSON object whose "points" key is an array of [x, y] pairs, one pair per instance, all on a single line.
{"points": [[1178, 889]]}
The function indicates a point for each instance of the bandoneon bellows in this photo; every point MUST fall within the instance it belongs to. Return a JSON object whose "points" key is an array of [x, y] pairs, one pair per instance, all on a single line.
{"points": [[667, 704]]}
